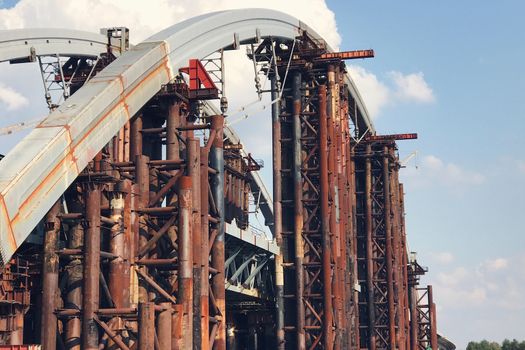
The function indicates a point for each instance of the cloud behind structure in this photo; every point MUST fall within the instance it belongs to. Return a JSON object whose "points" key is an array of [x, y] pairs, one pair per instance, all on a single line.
{"points": [[12, 99], [395, 88]]}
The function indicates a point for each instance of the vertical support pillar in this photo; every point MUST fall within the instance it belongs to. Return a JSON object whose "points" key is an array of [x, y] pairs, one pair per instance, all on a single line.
{"points": [[298, 210], [172, 123], [146, 339], [193, 166], [277, 213], [205, 262], [50, 278], [335, 195], [164, 327], [185, 276], [369, 250], [142, 179], [325, 220], [74, 277], [414, 321], [217, 254], [118, 267], [388, 247], [433, 319], [91, 268], [135, 142]]}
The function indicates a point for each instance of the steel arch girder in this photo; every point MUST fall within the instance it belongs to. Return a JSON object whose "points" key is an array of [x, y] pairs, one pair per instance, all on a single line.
{"points": [[40, 168]]}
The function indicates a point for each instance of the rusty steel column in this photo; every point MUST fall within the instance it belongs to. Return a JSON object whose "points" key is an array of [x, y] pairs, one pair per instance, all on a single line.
{"points": [[414, 322], [325, 220], [135, 142], [205, 262], [333, 115], [48, 333], [369, 250], [185, 276], [90, 299], [164, 327], [146, 326], [298, 210], [354, 250], [193, 168], [119, 267], [142, 179], [433, 319], [277, 213], [388, 247], [217, 253], [73, 325], [172, 123]]}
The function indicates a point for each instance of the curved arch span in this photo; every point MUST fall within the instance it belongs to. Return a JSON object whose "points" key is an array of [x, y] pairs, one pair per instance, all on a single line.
{"points": [[41, 167]]}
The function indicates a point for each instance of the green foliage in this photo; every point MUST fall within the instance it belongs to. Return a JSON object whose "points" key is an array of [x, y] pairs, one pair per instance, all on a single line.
{"points": [[506, 345], [512, 345]]}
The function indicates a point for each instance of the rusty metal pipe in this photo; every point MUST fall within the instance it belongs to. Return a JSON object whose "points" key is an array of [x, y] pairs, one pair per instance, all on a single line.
{"points": [[388, 247], [48, 332], [143, 186], [205, 261], [217, 254], [164, 327], [298, 211], [146, 326], [194, 172], [277, 214], [369, 250], [90, 299], [433, 319], [325, 220], [118, 268], [185, 276]]}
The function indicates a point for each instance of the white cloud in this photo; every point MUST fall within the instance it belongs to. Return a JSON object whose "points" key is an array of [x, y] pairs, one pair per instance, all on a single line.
{"points": [[492, 283], [374, 92], [397, 88], [412, 87], [12, 99], [158, 14], [495, 264], [432, 171], [442, 257]]}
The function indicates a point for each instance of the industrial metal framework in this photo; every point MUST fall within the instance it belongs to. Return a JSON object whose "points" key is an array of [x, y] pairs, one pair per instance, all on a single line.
{"points": [[125, 216]]}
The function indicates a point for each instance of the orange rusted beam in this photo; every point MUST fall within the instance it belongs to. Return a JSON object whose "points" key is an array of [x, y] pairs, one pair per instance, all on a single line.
{"points": [[348, 55]]}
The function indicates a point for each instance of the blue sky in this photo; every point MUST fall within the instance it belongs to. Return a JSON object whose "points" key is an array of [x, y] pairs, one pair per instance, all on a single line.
{"points": [[471, 54], [452, 71]]}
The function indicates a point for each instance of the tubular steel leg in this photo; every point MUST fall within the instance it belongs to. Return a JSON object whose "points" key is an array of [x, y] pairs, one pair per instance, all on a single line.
{"points": [[217, 254], [118, 268], [146, 339], [205, 261], [333, 114], [388, 247], [369, 251], [164, 327], [50, 278], [142, 178], [74, 278], [91, 269], [136, 136], [185, 276], [414, 322], [277, 214], [325, 220], [193, 166], [433, 324], [298, 211]]}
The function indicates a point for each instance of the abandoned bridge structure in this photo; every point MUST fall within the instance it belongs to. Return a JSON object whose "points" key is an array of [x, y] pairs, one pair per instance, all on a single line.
{"points": [[127, 214]]}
